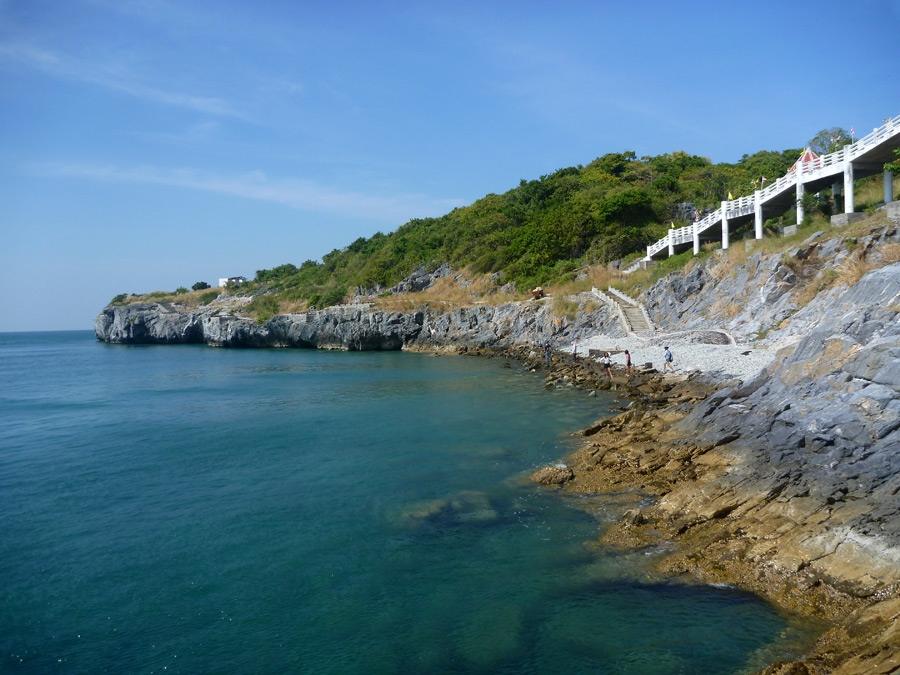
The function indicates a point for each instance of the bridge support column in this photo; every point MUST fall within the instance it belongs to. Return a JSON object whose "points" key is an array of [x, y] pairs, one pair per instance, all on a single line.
{"points": [[888, 186], [671, 243], [848, 188], [801, 191], [837, 189], [757, 215], [696, 233], [724, 225]]}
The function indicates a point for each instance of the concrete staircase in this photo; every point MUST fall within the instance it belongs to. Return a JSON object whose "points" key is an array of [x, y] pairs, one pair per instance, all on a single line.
{"points": [[632, 314], [635, 319]]}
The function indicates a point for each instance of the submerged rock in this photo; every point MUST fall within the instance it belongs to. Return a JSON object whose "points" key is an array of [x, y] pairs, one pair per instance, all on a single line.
{"points": [[554, 474], [467, 506]]}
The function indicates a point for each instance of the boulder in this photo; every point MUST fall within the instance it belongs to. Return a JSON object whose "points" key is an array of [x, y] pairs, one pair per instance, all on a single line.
{"points": [[553, 474]]}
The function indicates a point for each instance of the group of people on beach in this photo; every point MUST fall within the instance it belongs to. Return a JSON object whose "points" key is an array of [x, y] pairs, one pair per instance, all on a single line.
{"points": [[606, 360]]}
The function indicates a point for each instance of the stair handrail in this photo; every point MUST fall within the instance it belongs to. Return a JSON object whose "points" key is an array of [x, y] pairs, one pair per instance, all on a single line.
{"points": [[616, 306], [619, 294]]}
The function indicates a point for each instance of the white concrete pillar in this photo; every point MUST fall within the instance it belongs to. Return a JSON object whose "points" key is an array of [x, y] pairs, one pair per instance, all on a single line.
{"points": [[848, 187], [695, 230], [724, 225], [757, 215], [671, 243], [801, 190], [888, 186], [648, 254]]}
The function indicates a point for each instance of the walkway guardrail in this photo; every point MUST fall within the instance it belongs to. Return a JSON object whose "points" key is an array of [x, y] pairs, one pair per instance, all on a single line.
{"points": [[812, 169], [617, 308]]}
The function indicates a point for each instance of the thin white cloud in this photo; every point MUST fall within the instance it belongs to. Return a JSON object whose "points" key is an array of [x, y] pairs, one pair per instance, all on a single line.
{"points": [[112, 78], [200, 132], [292, 192]]}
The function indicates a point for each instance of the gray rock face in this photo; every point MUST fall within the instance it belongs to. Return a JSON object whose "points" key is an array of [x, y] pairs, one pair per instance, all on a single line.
{"points": [[421, 279], [352, 327], [754, 296], [822, 424], [417, 281], [148, 323]]}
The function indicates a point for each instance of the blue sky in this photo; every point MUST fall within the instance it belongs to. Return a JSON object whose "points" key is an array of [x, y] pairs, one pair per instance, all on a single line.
{"points": [[150, 144]]}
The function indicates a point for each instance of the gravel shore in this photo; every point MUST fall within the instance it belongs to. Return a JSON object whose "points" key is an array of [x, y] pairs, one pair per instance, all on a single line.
{"points": [[743, 361]]}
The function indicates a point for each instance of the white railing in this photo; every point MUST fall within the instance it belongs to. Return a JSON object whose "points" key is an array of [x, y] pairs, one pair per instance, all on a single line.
{"points": [[787, 181], [617, 308], [819, 167], [657, 247], [633, 267], [682, 234], [621, 296]]}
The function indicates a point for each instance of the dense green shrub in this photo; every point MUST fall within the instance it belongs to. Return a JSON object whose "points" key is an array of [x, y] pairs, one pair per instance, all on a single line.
{"points": [[263, 307], [200, 286]]}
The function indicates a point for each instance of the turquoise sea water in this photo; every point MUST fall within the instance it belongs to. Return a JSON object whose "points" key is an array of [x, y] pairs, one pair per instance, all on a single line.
{"points": [[187, 509]]}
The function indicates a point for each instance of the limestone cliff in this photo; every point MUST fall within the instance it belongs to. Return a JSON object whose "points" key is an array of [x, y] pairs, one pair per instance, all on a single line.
{"points": [[353, 327]]}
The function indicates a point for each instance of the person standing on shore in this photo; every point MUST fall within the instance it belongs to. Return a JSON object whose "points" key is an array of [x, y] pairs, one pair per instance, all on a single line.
{"points": [[548, 354], [629, 369], [668, 361], [606, 364]]}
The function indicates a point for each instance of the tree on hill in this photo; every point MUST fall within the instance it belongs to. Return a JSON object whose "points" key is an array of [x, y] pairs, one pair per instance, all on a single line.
{"points": [[830, 140], [200, 286]]}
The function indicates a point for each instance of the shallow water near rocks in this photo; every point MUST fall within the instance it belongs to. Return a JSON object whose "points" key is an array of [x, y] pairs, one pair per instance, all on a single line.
{"points": [[187, 509]]}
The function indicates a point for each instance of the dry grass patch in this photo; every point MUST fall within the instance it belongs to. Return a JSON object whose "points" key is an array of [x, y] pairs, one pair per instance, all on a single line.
{"points": [[446, 294], [187, 299], [852, 269], [594, 276], [564, 307], [731, 310], [293, 306], [822, 281], [888, 254], [728, 261], [724, 307], [590, 306]]}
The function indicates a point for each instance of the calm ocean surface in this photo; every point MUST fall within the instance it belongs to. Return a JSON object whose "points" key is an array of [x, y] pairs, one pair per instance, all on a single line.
{"points": [[187, 509]]}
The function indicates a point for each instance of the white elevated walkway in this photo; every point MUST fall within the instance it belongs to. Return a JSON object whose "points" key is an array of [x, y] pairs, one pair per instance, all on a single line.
{"points": [[865, 157]]}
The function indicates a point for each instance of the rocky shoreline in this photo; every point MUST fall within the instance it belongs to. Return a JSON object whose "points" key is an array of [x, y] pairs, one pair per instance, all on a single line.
{"points": [[785, 483], [754, 531]]}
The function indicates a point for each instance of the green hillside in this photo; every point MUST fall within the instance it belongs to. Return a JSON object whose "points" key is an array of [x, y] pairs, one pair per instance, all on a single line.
{"points": [[539, 230], [534, 234]]}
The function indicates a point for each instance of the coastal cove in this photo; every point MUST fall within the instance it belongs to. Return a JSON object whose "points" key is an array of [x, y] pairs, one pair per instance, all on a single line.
{"points": [[197, 509]]}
